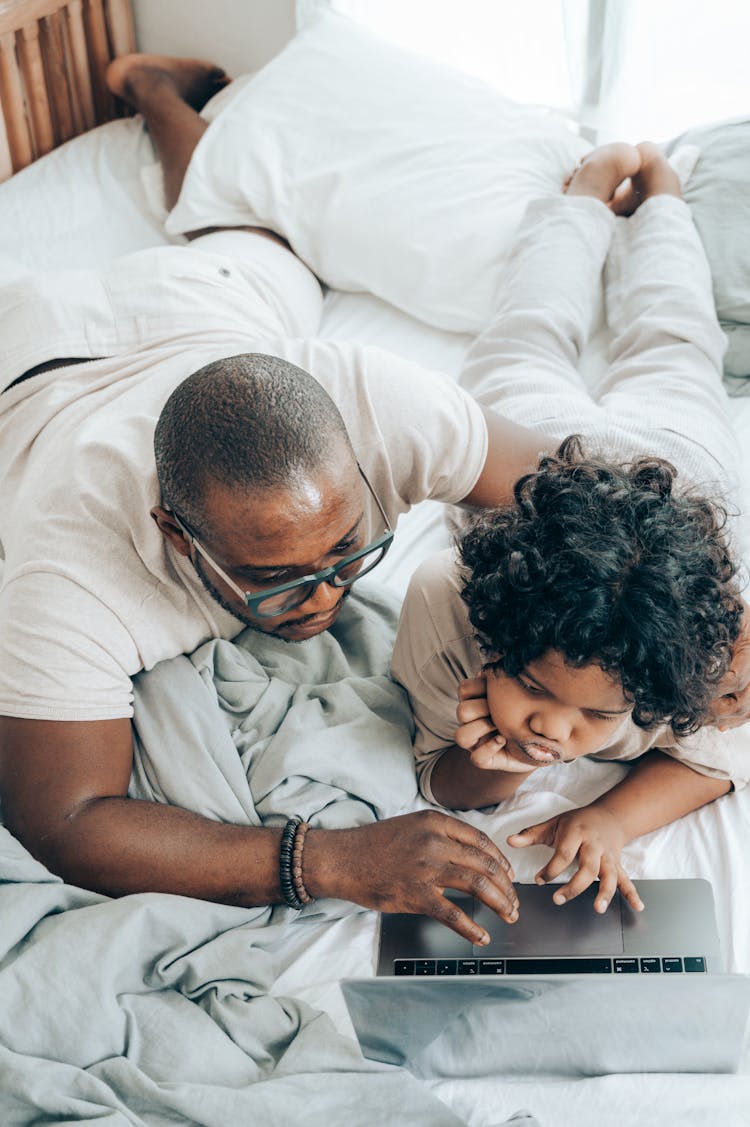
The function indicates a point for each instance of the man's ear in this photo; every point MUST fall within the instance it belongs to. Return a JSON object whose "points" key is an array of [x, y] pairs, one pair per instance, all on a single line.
{"points": [[170, 530]]}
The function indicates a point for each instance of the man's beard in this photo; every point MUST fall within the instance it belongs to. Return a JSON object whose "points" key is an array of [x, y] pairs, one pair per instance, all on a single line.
{"points": [[245, 617]]}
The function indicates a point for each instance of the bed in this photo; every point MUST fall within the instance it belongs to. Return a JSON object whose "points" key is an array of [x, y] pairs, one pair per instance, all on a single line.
{"points": [[84, 202]]}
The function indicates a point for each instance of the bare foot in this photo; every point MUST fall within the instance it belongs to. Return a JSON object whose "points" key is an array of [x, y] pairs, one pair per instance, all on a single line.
{"points": [[136, 77], [655, 177], [602, 172]]}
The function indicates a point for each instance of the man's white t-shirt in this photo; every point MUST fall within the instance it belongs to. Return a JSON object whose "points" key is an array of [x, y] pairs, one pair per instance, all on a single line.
{"points": [[92, 592]]}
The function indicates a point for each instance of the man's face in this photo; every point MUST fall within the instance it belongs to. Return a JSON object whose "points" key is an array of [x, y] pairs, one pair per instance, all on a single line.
{"points": [[270, 537], [553, 712]]}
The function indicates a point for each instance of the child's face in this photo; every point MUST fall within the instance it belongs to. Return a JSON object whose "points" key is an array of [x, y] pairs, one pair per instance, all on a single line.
{"points": [[553, 712]]}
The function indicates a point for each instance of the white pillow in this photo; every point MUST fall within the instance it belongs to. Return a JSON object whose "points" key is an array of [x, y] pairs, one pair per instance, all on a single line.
{"points": [[386, 172]]}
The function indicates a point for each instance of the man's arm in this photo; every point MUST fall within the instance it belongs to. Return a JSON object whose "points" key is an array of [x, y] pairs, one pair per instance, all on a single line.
{"points": [[512, 450], [64, 790], [64, 787]]}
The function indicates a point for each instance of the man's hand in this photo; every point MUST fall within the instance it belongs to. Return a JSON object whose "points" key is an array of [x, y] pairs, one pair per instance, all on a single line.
{"points": [[404, 864], [731, 706], [592, 836], [477, 733]]}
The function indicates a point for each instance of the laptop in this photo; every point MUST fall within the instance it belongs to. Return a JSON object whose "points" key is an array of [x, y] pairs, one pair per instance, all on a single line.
{"points": [[564, 991]]}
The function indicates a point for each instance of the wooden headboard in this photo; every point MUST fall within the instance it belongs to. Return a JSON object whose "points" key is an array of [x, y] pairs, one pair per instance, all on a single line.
{"points": [[53, 58]]}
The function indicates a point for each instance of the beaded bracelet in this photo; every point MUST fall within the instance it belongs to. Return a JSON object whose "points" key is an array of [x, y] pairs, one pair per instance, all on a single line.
{"points": [[299, 845], [290, 864]]}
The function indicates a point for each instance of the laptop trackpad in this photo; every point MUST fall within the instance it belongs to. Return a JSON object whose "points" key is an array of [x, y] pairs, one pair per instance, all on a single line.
{"points": [[543, 928]]}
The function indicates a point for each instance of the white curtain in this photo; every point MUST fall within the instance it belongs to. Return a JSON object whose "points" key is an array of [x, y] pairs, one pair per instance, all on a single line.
{"points": [[628, 69]]}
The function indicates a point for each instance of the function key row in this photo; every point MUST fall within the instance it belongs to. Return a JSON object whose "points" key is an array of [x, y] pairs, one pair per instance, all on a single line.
{"points": [[690, 964]]}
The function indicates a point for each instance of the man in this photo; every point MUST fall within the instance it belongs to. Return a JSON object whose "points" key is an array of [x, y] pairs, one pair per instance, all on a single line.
{"points": [[266, 475], [109, 570]]}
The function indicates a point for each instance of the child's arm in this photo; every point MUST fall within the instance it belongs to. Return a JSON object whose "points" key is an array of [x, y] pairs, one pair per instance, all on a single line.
{"points": [[658, 790], [476, 771]]}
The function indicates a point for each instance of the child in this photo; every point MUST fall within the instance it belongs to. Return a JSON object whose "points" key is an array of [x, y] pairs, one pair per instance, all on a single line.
{"points": [[602, 605]]}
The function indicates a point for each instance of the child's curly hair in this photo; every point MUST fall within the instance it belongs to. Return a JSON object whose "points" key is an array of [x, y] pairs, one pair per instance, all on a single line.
{"points": [[606, 563]]}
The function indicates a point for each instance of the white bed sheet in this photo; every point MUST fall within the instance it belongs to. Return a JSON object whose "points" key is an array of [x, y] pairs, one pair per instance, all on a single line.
{"points": [[98, 197]]}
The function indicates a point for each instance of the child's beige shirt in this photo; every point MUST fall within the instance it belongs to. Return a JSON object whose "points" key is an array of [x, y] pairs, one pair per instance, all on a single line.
{"points": [[436, 647]]}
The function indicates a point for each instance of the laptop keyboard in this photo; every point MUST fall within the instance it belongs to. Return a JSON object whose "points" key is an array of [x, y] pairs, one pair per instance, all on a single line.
{"points": [[657, 964]]}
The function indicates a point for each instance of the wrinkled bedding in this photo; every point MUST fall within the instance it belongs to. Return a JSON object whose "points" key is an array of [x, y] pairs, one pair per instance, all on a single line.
{"points": [[156, 1009]]}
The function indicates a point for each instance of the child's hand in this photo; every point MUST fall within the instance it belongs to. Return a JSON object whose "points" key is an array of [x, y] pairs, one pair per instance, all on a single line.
{"points": [[478, 735], [592, 836]]}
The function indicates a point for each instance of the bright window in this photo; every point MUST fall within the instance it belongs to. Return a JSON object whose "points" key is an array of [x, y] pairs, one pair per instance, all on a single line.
{"points": [[631, 69]]}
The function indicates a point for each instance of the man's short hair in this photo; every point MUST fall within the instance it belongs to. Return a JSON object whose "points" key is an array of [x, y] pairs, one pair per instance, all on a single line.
{"points": [[247, 422], [607, 563]]}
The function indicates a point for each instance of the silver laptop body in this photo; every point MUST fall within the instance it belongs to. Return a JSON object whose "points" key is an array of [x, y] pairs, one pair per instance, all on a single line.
{"points": [[565, 991]]}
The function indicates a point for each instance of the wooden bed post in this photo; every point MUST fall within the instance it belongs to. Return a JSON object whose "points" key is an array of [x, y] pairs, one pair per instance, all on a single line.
{"points": [[12, 101], [54, 56], [121, 30]]}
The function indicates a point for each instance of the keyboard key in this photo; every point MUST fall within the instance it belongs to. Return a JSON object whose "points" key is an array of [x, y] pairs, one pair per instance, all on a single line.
{"points": [[468, 966], [593, 965], [651, 966], [446, 966], [403, 966], [492, 966], [695, 964], [671, 965], [626, 966], [424, 966]]}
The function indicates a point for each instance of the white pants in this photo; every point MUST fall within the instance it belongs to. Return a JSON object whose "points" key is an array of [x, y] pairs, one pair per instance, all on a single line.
{"points": [[235, 283], [662, 392]]}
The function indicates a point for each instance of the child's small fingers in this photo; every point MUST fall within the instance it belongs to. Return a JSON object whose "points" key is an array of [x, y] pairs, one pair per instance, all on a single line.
{"points": [[472, 687], [534, 835], [497, 760], [468, 736], [563, 856], [475, 709], [608, 874], [489, 755], [629, 891], [582, 880]]}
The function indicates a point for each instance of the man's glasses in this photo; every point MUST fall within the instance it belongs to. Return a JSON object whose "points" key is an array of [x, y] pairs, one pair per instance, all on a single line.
{"points": [[287, 596]]}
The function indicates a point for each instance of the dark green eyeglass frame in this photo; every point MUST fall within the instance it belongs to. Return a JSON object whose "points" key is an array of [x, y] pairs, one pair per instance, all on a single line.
{"points": [[306, 584]]}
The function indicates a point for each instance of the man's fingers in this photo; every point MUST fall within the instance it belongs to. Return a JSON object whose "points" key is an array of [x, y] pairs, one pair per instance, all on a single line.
{"points": [[451, 915], [483, 871], [726, 705], [726, 724], [731, 709], [479, 843], [732, 704], [502, 900], [730, 683]]}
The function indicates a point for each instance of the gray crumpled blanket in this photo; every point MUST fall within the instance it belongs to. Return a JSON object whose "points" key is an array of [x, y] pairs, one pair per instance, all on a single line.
{"points": [[320, 728], [153, 1009]]}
